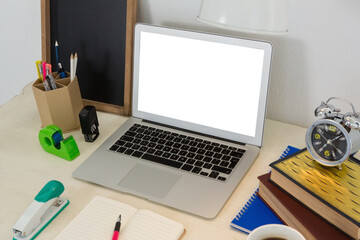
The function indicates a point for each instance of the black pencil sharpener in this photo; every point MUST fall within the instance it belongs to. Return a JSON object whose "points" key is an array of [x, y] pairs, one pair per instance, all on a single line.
{"points": [[89, 123]]}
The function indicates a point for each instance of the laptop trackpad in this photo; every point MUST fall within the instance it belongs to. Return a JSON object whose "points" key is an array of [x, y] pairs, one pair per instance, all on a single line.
{"points": [[149, 181]]}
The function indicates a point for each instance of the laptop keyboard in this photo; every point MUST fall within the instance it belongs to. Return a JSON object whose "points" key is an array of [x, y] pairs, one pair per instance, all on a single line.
{"points": [[186, 153]]}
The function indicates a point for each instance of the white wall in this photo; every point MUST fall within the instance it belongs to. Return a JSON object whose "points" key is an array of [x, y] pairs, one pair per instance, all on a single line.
{"points": [[20, 45], [317, 59]]}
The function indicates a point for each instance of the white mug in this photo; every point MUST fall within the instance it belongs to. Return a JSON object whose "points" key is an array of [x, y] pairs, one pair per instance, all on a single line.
{"points": [[275, 231]]}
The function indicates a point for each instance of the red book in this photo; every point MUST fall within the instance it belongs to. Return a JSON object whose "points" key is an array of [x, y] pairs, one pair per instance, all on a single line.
{"points": [[296, 215]]}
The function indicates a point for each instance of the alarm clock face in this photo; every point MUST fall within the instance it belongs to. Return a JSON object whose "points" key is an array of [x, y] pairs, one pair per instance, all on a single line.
{"points": [[328, 142]]}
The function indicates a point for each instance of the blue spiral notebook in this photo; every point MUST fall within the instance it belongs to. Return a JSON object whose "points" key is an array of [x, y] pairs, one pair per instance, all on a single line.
{"points": [[255, 212]]}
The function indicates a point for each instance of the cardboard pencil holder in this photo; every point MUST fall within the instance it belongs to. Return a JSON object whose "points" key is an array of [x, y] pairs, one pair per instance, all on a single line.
{"points": [[61, 106]]}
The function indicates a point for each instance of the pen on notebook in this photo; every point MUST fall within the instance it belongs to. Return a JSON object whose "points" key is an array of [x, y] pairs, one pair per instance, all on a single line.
{"points": [[117, 228], [71, 67], [57, 55]]}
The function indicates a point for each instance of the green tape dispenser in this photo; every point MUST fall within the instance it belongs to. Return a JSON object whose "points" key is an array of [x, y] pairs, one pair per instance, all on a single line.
{"points": [[51, 139]]}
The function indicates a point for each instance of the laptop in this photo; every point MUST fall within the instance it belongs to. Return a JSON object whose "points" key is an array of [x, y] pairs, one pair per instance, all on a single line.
{"points": [[198, 112]]}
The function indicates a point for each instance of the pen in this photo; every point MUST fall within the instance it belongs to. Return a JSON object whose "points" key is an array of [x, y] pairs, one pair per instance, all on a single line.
{"points": [[57, 55], [117, 228]]}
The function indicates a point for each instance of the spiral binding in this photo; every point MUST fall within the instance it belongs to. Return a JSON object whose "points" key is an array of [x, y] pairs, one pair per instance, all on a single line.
{"points": [[247, 204], [289, 150]]}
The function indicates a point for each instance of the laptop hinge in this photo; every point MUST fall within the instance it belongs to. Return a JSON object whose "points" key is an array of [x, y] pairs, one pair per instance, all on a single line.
{"points": [[193, 132]]}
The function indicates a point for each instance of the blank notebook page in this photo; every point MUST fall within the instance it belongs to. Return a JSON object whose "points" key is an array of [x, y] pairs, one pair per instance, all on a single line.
{"points": [[151, 226], [97, 220]]}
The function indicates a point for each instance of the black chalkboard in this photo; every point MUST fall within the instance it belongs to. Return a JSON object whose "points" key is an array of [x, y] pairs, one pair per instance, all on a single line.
{"points": [[100, 32]]}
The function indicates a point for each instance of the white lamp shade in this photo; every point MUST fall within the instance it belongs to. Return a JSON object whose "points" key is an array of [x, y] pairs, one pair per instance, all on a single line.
{"points": [[265, 16]]}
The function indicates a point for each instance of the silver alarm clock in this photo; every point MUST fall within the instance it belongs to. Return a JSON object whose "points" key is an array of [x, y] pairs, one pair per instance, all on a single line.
{"points": [[333, 138]]}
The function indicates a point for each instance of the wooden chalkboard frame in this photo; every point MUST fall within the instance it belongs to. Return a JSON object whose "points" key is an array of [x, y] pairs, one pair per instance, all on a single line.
{"points": [[130, 22]]}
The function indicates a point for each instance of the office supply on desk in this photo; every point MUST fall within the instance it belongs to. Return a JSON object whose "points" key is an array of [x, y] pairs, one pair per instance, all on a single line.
{"points": [[39, 69], [106, 88], [44, 70], [46, 85], [50, 79], [75, 62], [60, 107], [176, 150], [48, 69], [254, 214], [117, 228], [71, 67], [289, 151], [89, 123], [248, 217], [329, 192], [52, 141], [45, 207], [61, 71], [57, 54], [99, 216], [296, 215]]}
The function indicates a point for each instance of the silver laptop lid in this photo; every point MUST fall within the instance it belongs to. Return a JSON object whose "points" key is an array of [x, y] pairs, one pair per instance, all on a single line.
{"points": [[211, 84]]}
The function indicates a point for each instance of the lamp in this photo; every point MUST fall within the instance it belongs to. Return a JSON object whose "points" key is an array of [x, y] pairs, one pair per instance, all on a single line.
{"points": [[256, 16]]}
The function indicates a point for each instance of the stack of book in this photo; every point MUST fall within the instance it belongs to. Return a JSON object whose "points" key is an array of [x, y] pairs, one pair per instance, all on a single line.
{"points": [[320, 202]]}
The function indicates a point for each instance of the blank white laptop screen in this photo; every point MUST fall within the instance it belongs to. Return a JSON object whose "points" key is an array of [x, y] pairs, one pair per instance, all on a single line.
{"points": [[200, 82]]}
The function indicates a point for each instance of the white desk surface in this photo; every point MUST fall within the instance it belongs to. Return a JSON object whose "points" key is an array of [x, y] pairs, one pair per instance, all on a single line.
{"points": [[25, 168]]}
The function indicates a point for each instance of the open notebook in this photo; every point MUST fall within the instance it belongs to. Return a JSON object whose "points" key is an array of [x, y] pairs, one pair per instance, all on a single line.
{"points": [[97, 220]]}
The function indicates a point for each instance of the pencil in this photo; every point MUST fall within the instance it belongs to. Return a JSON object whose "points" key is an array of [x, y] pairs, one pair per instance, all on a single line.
{"points": [[75, 64], [71, 67]]}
